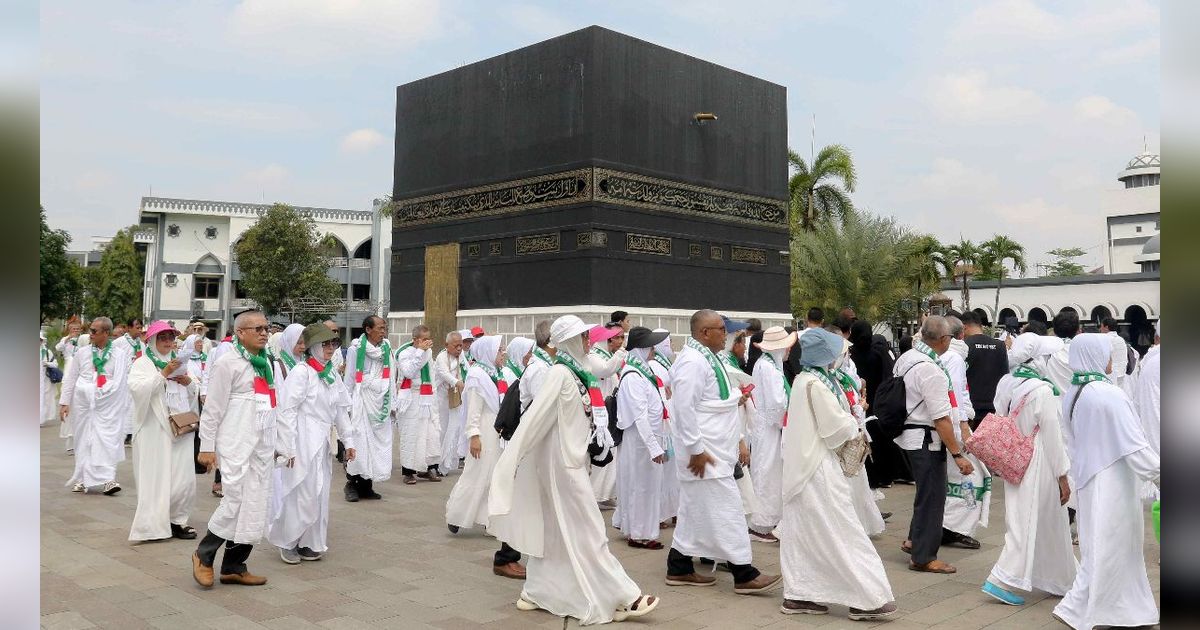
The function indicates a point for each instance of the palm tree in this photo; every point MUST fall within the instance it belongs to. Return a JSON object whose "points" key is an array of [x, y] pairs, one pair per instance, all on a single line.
{"points": [[965, 255], [927, 265], [995, 253], [816, 195], [857, 262]]}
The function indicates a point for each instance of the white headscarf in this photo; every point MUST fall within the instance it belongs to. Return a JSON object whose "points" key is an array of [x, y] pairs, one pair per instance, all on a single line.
{"points": [[518, 348], [664, 347], [479, 376], [273, 342], [189, 344], [1104, 427], [1022, 349], [288, 339], [642, 353], [177, 398]]}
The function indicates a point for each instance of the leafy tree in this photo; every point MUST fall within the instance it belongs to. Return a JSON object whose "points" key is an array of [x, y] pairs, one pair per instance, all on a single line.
{"points": [[965, 255], [1064, 264], [59, 277], [996, 252], [281, 259], [114, 289], [817, 192], [857, 262]]}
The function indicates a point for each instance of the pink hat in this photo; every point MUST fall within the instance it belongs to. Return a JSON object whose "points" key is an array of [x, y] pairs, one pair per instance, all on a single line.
{"points": [[157, 327], [603, 333]]}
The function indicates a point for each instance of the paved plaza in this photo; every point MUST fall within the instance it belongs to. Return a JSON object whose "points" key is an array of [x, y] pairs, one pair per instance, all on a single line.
{"points": [[392, 564]]}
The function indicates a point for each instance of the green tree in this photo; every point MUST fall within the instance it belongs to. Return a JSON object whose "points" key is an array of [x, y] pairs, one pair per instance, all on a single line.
{"points": [[996, 252], [59, 277], [281, 260], [926, 265], [817, 192], [965, 255], [1064, 263], [115, 287], [857, 262]]}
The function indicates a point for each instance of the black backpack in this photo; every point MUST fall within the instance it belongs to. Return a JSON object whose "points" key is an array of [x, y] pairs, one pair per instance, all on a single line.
{"points": [[610, 403], [891, 405], [508, 418]]}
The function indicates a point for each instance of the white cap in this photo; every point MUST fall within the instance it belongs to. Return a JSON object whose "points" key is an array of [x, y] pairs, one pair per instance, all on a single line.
{"points": [[566, 327]]}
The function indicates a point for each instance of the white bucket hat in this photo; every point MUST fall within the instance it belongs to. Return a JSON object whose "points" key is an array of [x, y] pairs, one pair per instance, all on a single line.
{"points": [[776, 338], [566, 327]]}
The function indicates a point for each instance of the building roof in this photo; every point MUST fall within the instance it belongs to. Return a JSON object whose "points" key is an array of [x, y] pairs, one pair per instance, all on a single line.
{"points": [[233, 208], [1145, 159], [1154, 245]]}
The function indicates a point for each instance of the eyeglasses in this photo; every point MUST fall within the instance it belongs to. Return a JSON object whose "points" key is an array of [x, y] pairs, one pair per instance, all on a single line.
{"points": [[261, 330], [95, 331]]}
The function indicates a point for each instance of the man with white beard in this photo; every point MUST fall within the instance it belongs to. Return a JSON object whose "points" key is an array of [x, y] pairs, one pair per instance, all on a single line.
{"points": [[238, 430], [370, 379], [771, 393], [707, 437], [540, 504], [96, 400], [420, 434], [450, 373]]}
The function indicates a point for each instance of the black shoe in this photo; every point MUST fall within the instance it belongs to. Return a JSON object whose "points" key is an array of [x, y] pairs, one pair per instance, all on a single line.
{"points": [[351, 492], [182, 532], [366, 490], [453, 528], [955, 539], [885, 515]]}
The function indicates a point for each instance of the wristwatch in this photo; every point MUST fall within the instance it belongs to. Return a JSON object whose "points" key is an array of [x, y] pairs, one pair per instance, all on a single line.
{"points": [[957, 455]]}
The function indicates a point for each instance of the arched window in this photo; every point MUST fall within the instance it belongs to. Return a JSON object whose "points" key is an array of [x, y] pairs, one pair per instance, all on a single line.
{"points": [[363, 250]]}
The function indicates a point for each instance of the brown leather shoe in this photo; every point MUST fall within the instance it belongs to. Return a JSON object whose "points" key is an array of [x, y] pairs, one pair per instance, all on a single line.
{"points": [[760, 584], [691, 579], [245, 578], [202, 574], [512, 570]]}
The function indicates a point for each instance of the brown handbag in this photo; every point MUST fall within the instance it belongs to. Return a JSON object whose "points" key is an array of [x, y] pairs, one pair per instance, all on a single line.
{"points": [[184, 422]]}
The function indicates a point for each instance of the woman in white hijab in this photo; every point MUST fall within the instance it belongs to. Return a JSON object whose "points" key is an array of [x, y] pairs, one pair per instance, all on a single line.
{"points": [[290, 350], [541, 499], [1037, 553], [824, 551], [861, 494], [516, 357], [162, 463], [660, 363], [640, 413], [482, 392], [1110, 458]]}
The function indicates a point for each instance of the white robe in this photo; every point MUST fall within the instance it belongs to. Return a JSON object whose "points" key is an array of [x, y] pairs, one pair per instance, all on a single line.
{"points": [[669, 505], [126, 342], [961, 514], [468, 502], [606, 370], [246, 438], [824, 552], [771, 402], [446, 374], [47, 400], [97, 415], [369, 400], [862, 496], [416, 419], [712, 520], [313, 408], [163, 465], [1037, 552], [67, 348], [541, 503], [639, 478]]}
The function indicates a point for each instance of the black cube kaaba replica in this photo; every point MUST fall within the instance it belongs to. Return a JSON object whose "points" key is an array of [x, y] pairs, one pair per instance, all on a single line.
{"points": [[592, 170]]}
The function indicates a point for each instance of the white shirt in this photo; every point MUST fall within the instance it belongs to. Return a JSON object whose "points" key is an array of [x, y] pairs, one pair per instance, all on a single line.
{"points": [[1120, 355], [926, 397]]}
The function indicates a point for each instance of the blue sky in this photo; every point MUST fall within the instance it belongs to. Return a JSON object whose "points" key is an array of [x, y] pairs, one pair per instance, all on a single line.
{"points": [[964, 118]]}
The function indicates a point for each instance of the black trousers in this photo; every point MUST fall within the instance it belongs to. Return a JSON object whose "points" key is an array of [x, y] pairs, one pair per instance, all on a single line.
{"points": [[234, 560], [886, 463], [925, 530], [679, 564], [506, 555], [362, 484]]}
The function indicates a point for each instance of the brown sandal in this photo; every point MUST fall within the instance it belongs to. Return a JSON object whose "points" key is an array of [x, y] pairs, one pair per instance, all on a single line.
{"points": [[935, 566], [645, 544], [216, 491]]}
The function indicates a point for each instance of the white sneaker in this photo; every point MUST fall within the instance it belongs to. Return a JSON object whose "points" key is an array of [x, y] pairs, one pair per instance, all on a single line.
{"points": [[290, 556], [79, 487], [111, 488]]}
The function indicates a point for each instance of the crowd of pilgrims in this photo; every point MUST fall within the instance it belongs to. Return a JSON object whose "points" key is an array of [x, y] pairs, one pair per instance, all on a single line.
{"points": [[740, 435]]}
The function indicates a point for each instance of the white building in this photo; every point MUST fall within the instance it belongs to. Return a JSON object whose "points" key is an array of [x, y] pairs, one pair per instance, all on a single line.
{"points": [[1131, 213], [192, 272]]}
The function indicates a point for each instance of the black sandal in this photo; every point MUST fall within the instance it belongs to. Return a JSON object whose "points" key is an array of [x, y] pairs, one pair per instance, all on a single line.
{"points": [[183, 532]]}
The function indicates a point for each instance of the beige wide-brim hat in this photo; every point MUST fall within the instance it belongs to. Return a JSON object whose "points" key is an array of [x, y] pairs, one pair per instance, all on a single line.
{"points": [[776, 338]]}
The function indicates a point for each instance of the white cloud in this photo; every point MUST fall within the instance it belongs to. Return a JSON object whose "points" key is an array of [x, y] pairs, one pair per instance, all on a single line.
{"points": [[1148, 48], [361, 141], [269, 175], [540, 22], [951, 179], [1006, 23], [1095, 108], [311, 31], [226, 113], [970, 97]]}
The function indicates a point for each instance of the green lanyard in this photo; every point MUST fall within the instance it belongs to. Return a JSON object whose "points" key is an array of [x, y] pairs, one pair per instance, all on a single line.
{"points": [[1083, 378], [160, 364], [1027, 371]]}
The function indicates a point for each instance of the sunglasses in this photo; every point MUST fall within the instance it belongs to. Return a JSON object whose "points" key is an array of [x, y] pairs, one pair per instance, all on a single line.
{"points": [[261, 330], [95, 331]]}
